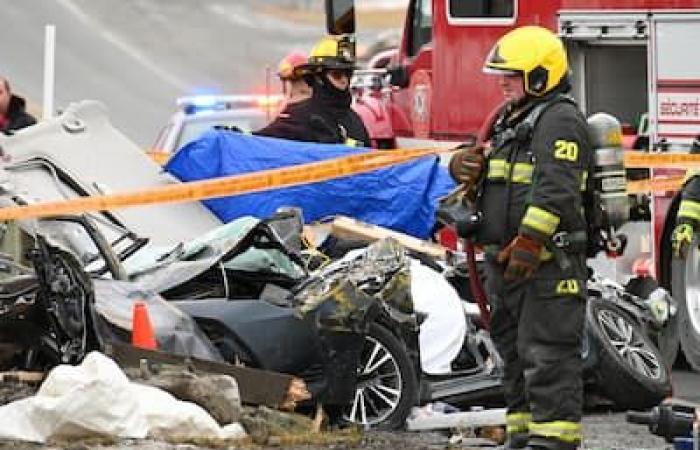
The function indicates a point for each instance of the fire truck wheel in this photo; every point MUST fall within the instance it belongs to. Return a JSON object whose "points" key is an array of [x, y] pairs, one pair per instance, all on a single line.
{"points": [[686, 291], [631, 371], [667, 339]]}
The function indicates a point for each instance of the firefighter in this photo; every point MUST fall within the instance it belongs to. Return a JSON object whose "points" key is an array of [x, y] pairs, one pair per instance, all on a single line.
{"points": [[688, 217], [528, 181], [291, 73], [327, 116]]}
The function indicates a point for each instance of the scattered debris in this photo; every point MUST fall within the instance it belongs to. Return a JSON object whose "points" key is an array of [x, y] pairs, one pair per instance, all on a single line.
{"points": [[11, 391], [217, 394], [353, 229], [427, 419], [257, 387], [97, 399], [21, 376], [271, 427]]}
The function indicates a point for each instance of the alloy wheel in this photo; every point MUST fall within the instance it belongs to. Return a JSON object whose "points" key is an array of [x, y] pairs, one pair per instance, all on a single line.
{"points": [[630, 346], [378, 389]]}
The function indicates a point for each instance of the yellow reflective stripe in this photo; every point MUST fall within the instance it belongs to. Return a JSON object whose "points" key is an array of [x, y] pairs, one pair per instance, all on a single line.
{"points": [[497, 168], [560, 429], [690, 209], [350, 142], [500, 169], [584, 180], [541, 220], [518, 422], [522, 173]]}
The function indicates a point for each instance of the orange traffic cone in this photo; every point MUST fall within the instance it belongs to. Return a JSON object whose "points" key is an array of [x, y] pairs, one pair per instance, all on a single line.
{"points": [[142, 335]]}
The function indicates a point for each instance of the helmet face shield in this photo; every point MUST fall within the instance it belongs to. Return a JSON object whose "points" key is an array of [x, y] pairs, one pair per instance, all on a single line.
{"points": [[505, 72]]}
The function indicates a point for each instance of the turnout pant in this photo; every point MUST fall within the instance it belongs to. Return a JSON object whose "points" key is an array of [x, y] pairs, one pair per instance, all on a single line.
{"points": [[537, 327]]}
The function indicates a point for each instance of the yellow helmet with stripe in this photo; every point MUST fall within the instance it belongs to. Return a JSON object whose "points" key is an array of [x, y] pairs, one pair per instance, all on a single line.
{"points": [[536, 53], [333, 52]]}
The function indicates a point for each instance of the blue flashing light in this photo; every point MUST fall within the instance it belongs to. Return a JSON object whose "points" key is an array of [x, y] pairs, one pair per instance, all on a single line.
{"points": [[204, 101]]}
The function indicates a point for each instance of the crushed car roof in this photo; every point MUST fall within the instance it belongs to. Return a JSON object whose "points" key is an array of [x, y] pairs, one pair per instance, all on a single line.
{"points": [[90, 157]]}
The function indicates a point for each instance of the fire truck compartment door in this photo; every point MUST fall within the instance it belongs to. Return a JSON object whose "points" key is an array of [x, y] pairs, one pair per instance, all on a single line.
{"points": [[674, 103]]}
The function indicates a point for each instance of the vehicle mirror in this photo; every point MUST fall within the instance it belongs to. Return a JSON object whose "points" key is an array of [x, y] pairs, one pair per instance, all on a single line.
{"points": [[340, 16], [398, 76]]}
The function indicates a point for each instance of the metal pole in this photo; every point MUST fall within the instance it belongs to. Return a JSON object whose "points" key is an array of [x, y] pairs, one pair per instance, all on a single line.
{"points": [[49, 69]]}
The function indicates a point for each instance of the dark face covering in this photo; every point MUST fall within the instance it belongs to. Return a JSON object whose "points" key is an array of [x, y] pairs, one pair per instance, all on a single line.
{"points": [[330, 96]]}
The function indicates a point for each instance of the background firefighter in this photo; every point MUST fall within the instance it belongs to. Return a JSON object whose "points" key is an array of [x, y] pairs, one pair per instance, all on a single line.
{"points": [[688, 218], [327, 116], [529, 190], [291, 74]]}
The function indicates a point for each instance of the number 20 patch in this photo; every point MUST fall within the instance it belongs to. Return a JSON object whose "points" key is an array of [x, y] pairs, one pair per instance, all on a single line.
{"points": [[566, 150]]}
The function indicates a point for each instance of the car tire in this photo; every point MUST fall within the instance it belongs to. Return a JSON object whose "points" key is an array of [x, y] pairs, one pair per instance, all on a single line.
{"points": [[631, 371], [667, 339], [386, 383], [686, 292]]}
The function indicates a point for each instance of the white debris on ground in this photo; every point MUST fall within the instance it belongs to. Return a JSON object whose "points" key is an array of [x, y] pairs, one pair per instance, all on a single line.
{"points": [[97, 399]]}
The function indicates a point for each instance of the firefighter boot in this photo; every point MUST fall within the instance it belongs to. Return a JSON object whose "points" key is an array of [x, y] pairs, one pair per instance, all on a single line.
{"points": [[542, 443], [515, 441]]}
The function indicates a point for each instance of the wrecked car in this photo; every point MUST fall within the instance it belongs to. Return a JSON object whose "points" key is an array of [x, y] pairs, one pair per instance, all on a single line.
{"points": [[163, 248]]}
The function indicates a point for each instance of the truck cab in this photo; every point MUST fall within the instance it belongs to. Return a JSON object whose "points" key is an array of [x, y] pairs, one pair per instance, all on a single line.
{"points": [[441, 94]]}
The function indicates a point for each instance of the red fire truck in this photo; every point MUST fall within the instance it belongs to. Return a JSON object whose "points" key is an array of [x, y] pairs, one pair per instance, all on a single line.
{"points": [[634, 59]]}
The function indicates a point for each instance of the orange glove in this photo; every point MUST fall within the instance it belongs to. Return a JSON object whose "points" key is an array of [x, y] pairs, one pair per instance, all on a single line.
{"points": [[467, 164], [522, 256]]}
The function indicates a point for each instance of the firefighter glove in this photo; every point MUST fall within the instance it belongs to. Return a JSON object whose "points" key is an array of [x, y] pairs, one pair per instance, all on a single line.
{"points": [[522, 257], [467, 164], [681, 238]]}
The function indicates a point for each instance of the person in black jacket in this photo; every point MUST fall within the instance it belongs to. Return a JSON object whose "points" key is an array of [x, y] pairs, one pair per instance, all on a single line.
{"points": [[327, 117], [528, 183], [12, 109]]}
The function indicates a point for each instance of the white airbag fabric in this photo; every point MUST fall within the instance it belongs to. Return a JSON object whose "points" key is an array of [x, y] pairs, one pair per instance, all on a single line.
{"points": [[442, 333]]}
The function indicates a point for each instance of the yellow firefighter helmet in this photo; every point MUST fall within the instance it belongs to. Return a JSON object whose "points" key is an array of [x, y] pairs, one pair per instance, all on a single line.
{"points": [[535, 52], [333, 52]]}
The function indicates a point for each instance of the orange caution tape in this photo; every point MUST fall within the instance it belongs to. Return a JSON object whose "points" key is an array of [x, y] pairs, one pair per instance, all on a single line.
{"points": [[309, 173], [654, 185], [222, 187], [640, 160]]}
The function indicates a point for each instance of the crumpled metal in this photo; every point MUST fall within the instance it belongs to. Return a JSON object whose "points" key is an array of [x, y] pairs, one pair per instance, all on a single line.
{"points": [[344, 293]]}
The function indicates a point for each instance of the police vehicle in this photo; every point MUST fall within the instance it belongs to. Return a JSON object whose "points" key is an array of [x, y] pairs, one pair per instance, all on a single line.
{"points": [[198, 114]]}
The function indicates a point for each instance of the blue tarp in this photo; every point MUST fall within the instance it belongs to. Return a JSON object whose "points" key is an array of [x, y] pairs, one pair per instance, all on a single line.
{"points": [[402, 197]]}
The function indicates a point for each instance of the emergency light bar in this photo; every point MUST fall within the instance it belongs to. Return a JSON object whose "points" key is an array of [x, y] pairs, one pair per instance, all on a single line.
{"points": [[221, 102]]}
